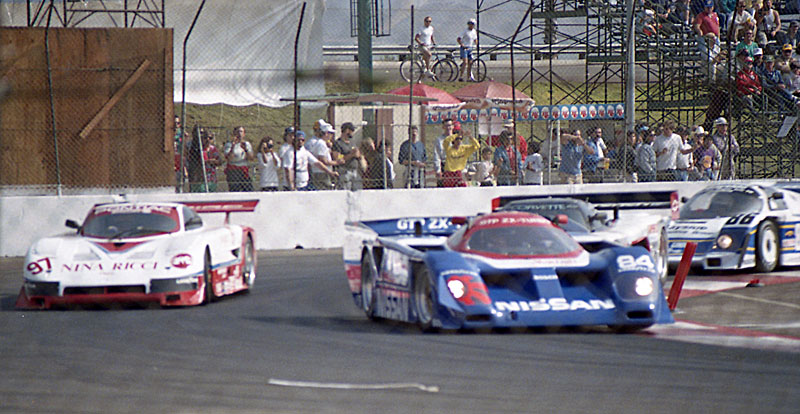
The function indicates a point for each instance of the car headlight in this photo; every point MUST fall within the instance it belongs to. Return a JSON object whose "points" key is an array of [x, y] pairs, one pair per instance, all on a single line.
{"points": [[644, 286], [457, 288], [724, 241]]}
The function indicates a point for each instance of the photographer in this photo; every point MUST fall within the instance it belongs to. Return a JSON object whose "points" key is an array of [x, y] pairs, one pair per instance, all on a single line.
{"points": [[238, 152], [572, 149], [269, 165]]}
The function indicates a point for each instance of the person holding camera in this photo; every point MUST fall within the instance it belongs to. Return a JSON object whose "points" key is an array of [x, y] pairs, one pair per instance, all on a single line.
{"points": [[269, 165], [572, 149], [238, 152]]}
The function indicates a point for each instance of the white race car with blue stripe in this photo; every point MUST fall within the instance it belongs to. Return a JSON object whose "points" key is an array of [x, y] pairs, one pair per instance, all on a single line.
{"points": [[738, 226]]}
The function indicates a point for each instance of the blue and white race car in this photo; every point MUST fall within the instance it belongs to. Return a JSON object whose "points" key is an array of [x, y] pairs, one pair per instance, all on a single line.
{"points": [[739, 226], [505, 269]]}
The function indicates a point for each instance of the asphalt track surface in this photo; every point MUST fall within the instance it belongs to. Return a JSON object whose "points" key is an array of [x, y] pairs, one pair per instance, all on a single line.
{"points": [[298, 344]]}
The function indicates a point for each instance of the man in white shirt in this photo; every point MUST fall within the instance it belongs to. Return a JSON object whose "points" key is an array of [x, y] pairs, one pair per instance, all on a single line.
{"points": [[466, 41], [426, 42], [667, 146], [299, 181], [318, 147]]}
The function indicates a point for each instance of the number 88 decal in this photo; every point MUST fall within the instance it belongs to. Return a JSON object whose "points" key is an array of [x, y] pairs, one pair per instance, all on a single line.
{"points": [[745, 219]]}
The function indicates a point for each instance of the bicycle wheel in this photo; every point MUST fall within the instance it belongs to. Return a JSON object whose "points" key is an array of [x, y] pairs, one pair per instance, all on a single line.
{"points": [[411, 70], [478, 70], [444, 70]]}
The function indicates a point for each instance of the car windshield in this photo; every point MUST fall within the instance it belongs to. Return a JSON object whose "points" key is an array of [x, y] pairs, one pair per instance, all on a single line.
{"points": [[112, 226], [521, 241], [721, 203], [577, 221]]}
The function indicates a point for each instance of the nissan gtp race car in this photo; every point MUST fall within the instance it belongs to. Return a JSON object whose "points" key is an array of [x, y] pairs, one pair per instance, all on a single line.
{"points": [[142, 252], [739, 226], [644, 222], [505, 269]]}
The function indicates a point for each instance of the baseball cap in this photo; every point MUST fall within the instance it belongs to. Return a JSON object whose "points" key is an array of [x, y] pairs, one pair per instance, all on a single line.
{"points": [[509, 124], [720, 121], [348, 125], [327, 128], [709, 3], [456, 126], [300, 134], [758, 52], [471, 21], [748, 59], [794, 23], [787, 46], [769, 58], [699, 131], [288, 130]]}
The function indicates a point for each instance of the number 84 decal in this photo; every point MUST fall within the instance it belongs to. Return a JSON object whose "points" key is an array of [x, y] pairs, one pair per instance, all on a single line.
{"points": [[627, 263]]}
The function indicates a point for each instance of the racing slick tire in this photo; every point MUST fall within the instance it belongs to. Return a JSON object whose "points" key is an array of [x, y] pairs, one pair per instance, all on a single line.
{"points": [[208, 289], [626, 329], [767, 247], [662, 259], [249, 268], [423, 299], [368, 275]]}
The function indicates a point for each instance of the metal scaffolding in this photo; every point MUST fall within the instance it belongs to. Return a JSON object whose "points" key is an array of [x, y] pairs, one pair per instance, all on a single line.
{"points": [[105, 13]]}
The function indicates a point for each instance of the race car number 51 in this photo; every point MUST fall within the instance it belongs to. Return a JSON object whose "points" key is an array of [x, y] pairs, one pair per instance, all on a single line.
{"points": [[627, 263]]}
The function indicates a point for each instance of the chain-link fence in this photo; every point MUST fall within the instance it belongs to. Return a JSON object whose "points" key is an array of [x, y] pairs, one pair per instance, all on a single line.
{"points": [[103, 110]]}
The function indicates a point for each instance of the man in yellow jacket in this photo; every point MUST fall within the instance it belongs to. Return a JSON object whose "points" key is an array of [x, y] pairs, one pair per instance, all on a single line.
{"points": [[457, 155]]}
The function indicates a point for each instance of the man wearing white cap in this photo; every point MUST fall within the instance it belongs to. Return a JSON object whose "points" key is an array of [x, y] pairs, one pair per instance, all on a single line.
{"points": [[318, 147], [727, 145], [466, 41]]}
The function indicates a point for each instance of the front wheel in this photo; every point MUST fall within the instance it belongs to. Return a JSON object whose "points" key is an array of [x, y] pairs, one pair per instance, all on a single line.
{"points": [[368, 278], [445, 70], [767, 250], [423, 298], [478, 70], [411, 70]]}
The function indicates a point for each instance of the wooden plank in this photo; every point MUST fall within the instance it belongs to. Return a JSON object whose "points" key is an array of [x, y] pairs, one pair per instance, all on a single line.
{"points": [[114, 99]]}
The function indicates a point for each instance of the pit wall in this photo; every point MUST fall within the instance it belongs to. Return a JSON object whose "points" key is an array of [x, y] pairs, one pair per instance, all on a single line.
{"points": [[287, 220]]}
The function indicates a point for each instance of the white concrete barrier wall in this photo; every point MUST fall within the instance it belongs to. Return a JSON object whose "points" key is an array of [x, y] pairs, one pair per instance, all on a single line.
{"points": [[285, 220]]}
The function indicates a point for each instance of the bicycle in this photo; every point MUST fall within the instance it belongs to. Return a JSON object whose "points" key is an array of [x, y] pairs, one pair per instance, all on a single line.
{"points": [[444, 69], [451, 66]]}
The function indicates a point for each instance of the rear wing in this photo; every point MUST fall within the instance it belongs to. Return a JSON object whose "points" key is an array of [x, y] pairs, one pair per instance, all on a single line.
{"points": [[410, 226], [222, 206], [645, 200]]}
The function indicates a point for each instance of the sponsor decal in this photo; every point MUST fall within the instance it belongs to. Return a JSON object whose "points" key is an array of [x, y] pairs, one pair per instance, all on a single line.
{"points": [[181, 261], [545, 277], [584, 112], [620, 110], [573, 112], [534, 113], [490, 221], [601, 111], [554, 304], [473, 115], [435, 117], [545, 113], [116, 266], [555, 112], [463, 115], [593, 111], [132, 208], [609, 110], [564, 112]]}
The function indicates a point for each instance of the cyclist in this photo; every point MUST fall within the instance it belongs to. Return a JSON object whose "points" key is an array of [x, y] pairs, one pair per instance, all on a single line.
{"points": [[467, 39], [424, 39]]}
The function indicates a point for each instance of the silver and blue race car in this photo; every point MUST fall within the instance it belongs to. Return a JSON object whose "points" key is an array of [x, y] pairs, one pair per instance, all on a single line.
{"points": [[738, 226], [501, 270]]}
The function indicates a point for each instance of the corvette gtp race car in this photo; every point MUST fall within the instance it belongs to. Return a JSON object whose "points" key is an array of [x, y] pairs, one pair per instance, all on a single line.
{"points": [[739, 226], [142, 253], [505, 269], [644, 222]]}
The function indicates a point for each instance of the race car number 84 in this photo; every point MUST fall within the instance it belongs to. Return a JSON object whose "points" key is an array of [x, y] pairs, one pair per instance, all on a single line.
{"points": [[627, 263]]}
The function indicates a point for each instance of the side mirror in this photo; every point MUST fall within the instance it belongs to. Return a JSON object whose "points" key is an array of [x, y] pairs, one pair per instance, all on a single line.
{"points": [[684, 199], [560, 219], [72, 224], [776, 196], [600, 216], [458, 221]]}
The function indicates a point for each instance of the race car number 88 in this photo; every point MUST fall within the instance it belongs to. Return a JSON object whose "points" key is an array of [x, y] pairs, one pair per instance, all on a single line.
{"points": [[627, 262]]}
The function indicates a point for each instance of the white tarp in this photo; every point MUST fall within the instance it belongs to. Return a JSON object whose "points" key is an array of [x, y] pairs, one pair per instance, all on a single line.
{"points": [[239, 53]]}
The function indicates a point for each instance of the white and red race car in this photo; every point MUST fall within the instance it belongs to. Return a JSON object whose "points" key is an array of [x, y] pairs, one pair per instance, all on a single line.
{"points": [[142, 253]]}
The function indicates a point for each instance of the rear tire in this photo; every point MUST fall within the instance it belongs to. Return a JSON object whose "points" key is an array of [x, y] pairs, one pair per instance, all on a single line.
{"points": [[767, 247], [445, 70], [423, 298], [411, 70], [249, 268], [208, 287], [368, 278]]}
